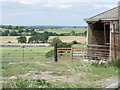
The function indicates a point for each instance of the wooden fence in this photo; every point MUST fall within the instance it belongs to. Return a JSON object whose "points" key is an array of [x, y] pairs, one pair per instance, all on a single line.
{"points": [[70, 53], [97, 52], [90, 52]]}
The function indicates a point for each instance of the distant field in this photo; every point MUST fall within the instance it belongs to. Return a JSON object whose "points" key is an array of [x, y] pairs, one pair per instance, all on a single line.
{"points": [[65, 30], [80, 39], [13, 40]]}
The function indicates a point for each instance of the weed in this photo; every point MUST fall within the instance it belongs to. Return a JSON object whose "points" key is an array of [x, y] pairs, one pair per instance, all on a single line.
{"points": [[60, 73], [20, 83]]}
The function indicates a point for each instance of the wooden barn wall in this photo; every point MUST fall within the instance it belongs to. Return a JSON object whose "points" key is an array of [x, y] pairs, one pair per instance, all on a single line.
{"points": [[89, 35], [117, 39], [98, 37], [95, 37]]}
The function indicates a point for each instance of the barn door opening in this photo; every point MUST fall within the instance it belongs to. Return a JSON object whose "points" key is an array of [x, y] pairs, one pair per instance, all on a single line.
{"points": [[107, 39], [107, 34]]}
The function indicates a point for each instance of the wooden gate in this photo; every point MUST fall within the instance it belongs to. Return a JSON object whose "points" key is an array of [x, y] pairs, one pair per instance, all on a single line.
{"points": [[90, 52], [70, 54]]}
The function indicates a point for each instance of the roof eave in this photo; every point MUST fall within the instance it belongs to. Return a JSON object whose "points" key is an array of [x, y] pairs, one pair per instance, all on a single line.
{"points": [[97, 19]]}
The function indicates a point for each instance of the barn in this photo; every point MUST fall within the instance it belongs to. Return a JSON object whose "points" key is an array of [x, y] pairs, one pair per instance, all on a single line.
{"points": [[103, 37]]}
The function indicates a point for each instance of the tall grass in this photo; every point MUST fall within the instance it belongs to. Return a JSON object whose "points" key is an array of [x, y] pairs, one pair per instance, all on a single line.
{"points": [[79, 74], [20, 83], [115, 63]]}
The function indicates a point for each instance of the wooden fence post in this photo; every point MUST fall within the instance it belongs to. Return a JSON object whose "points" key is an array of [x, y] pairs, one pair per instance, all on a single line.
{"points": [[71, 54], [55, 53]]}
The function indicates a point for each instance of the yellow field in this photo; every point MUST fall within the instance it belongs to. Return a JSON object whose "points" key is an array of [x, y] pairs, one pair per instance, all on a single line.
{"points": [[80, 39], [13, 39]]}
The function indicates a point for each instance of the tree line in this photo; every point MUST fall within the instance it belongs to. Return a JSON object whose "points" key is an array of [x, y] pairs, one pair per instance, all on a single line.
{"points": [[29, 31], [39, 37], [22, 27], [33, 32]]}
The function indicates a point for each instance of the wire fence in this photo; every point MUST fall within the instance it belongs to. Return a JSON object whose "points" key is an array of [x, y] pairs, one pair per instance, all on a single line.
{"points": [[25, 54]]}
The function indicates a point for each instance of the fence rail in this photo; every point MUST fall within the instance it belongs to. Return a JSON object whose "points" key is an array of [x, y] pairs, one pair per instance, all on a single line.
{"points": [[97, 52], [94, 52]]}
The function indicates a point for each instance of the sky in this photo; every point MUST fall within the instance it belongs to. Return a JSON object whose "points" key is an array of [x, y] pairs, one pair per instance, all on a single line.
{"points": [[51, 12]]}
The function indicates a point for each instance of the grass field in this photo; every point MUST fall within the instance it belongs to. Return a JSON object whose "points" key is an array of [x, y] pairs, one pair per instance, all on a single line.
{"points": [[65, 30]]}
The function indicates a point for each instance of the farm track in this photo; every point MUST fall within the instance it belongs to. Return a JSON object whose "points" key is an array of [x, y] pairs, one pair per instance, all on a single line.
{"points": [[108, 81]]}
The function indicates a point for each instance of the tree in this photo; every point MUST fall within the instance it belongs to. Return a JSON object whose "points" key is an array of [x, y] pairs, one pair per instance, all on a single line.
{"points": [[30, 40], [13, 33], [55, 40], [34, 33], [9, 27], [44, 37], [17, 27], [20, 31], [22, 39], [74, 42], [72, 32], [5, 33], [38, 37], [32, 30], [85, 33], [27, 30]]}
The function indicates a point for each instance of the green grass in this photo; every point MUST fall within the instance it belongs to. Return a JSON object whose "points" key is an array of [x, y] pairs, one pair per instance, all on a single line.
{"points": [[12, 70], [30, 53], [65, 30], [79, 45], [20, 83], [103, 72], [60, 73]]}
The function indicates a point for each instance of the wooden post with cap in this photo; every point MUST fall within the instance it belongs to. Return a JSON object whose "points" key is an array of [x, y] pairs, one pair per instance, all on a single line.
{"points": [[55, 52]]}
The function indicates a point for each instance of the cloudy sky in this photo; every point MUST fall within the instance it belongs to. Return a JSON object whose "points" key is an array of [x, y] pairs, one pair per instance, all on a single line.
{"points": [[51, 12]]}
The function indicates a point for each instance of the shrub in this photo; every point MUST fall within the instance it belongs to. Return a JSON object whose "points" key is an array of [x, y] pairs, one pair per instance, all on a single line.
{"points": [[115, 63], [9, 42], [64, 44], [22, 39], [49, 54], [55, 40], [74, 42], [20, 83]]}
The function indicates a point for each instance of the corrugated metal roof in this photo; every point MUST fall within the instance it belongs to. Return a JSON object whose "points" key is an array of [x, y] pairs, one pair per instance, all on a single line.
{"points": [[111, 14]]}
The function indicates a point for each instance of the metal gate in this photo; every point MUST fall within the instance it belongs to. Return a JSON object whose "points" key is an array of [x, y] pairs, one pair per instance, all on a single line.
{"points": [[25, 54]]}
